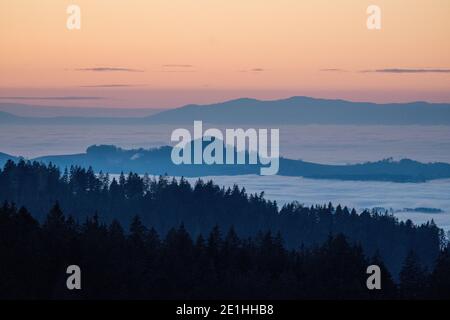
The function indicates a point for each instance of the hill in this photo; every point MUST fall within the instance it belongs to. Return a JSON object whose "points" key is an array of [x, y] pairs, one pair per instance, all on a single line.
{"points": [[158, 161], [5, 157], [306, 110], [291, 111]]}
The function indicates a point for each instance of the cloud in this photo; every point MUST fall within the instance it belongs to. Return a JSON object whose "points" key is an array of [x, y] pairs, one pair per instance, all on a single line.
{"points": [[408, 70], [178, 66], [332, 70], [253, 70], [109, 69], [179, 71], [110, 86], [52, 98]]}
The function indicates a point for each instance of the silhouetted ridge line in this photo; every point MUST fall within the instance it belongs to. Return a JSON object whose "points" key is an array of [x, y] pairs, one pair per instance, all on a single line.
{"points": [[158, 161], [290, 111]]}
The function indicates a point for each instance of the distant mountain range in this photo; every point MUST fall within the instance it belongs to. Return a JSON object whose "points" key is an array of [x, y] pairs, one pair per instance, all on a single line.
{"points": [[295, 110], [305, 110], [157, 161]]}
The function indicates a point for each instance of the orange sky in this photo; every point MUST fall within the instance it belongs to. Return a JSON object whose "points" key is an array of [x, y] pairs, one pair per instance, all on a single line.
{"points": [[183, 51]]}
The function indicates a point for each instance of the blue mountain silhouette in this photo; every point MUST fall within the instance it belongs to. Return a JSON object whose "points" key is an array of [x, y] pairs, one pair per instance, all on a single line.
{"points": [[306, 110], [157, 161], [294, 110]]}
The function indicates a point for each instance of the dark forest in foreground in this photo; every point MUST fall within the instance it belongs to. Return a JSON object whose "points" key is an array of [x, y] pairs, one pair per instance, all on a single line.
{"points": [[165, 203], [140, 265], [305, 250]]}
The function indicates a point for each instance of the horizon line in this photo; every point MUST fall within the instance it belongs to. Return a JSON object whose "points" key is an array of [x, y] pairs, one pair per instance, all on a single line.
{"points": [[3, 101]]}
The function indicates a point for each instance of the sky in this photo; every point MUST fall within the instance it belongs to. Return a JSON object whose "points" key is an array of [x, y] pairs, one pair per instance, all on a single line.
{"points": [[162, 54]]}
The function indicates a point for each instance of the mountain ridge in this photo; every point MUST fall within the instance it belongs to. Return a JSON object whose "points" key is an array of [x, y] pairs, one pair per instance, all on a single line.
{"points": [[296, 110], [307, 110], [157, 161]]}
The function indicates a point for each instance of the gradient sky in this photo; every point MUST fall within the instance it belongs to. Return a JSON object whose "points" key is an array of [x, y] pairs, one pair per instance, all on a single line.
{"points": [[160, 53]]}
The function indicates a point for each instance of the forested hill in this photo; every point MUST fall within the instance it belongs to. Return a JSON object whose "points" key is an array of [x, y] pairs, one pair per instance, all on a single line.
{"points": [[165, 203], [157, 161], [5, 157]]}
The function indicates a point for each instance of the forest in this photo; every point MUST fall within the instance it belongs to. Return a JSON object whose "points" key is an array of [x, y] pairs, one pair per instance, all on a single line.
{"points": [[140, 237], [139, 264]]}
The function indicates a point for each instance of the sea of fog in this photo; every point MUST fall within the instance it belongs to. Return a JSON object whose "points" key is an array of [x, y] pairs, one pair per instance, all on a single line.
{"points": [[353, 194], [393, 197], [316, 143]]}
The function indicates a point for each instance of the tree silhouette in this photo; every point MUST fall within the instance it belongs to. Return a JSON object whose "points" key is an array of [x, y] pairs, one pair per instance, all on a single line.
{"points": [[413, 278], [199, 241]]}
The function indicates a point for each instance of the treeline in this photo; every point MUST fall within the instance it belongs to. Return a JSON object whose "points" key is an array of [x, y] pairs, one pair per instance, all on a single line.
{"points": [[140, 264], [164, 203]]}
